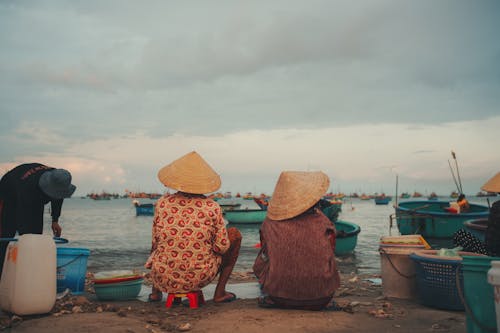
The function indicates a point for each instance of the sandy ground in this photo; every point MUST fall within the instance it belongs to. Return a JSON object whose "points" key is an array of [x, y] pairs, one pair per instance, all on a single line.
{"points": [[364, 310]]}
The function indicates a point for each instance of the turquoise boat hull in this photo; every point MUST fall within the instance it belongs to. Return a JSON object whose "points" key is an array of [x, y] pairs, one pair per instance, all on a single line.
{"points": [[430, 219], [477, 228], [145, 210], [347, 237], [245, 216], [382, 200]]}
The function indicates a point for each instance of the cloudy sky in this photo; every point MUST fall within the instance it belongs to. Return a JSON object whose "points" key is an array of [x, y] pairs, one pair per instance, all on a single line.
{"points": [[362, 90]]}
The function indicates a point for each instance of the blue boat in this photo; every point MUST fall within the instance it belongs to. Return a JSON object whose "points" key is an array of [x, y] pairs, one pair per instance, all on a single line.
{"points": [[347, 232], [347, 237], [477, 227], [245, 216], [382, 200], [431, 218], [147, 209]]}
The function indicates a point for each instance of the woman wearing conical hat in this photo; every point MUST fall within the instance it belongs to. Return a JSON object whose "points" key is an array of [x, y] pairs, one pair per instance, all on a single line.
{"points": [[296, 264], [492, 235], [190, 243], [491, 244]]}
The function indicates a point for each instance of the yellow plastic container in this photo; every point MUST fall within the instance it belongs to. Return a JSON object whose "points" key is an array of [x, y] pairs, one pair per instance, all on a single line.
{"points": [[28, 284]]}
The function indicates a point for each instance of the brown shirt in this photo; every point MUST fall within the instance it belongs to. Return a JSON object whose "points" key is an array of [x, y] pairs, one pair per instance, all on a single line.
{"points": [[297, 260]]}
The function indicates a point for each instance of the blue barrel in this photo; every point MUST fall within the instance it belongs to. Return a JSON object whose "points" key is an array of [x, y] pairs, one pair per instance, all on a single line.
{"points": [[479, 295]]}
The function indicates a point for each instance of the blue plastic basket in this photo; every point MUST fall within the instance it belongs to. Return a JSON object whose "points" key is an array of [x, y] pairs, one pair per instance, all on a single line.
{"points": [[119, 291], [436, 279], [71, 269]]}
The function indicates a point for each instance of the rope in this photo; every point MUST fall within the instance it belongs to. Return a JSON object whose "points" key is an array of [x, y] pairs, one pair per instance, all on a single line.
{"points": [[393, 266], [466, 306]]}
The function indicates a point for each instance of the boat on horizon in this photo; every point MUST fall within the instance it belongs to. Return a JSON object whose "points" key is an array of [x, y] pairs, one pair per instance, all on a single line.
{"points": [[486, 194], [432, 196], [382, 199], [146, 209]]}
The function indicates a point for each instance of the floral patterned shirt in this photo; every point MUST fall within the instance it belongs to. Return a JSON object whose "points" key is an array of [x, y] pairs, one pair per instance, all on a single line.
{"points": [[188, 239]]}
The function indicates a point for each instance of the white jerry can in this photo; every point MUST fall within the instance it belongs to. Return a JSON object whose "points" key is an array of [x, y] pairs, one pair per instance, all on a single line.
{"points": [[28, 281]]}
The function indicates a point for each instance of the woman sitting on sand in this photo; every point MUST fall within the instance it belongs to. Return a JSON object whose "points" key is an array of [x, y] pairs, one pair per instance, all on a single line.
{"points": [[296, 264], [190, 243]]}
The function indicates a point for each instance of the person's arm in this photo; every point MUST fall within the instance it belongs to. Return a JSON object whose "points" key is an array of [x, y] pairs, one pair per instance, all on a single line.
{"points": [[155, 232], [56, 206], [221, 240]]}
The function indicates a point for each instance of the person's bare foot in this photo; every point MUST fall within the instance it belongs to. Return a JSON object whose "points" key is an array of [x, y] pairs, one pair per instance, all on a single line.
{"points": [[155, 296], [228, 297]]}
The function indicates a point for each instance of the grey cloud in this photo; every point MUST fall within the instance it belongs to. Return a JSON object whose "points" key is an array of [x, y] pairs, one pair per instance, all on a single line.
{"points": [[98, 69]]}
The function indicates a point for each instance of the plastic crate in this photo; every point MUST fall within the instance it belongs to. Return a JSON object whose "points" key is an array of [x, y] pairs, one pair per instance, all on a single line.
{"points": [[436, 279]]}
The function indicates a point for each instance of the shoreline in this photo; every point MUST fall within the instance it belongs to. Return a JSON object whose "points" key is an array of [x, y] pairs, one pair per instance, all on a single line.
{"points": [[364, 309]]}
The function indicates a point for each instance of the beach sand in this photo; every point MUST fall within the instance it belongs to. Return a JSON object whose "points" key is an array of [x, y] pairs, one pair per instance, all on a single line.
{"points": [[364, 310]]}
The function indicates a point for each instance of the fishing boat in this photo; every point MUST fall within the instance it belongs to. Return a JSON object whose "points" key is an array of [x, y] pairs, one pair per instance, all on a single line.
{"points": [[245, 216], [477, 227], [365, 197], [432, 218], [226, 204], [405, 195], [147, 209], [432, 196], [382, 199], [347, 237]]}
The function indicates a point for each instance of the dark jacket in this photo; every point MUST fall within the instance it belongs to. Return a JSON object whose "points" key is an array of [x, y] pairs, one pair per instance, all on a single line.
{"points": [[24, 201], [492, 236]]}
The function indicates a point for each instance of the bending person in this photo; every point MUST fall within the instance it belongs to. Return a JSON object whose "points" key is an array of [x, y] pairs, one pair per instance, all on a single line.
{"points": [[190, 243], [296, 264], [24, 192]]}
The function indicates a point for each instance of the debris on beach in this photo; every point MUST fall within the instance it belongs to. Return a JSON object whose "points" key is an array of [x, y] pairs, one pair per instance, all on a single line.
{"points": [[184, 327], [380, 313]]}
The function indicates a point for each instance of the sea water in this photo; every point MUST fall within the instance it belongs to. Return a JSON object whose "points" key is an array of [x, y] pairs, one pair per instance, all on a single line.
{"points": [[118, 239]]}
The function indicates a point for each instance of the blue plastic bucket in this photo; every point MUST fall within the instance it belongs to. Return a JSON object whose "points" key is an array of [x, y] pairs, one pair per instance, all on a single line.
{"points": [[71, 269], [479, 299]]}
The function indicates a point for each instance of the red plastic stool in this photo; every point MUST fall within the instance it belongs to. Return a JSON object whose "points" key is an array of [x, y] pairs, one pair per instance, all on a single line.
{"points": [[195, 299]]}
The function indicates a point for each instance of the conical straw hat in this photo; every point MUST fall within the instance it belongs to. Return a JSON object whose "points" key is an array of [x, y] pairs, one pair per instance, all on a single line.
{"points": [[296, 192], [191, 174], [492, 185]]}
